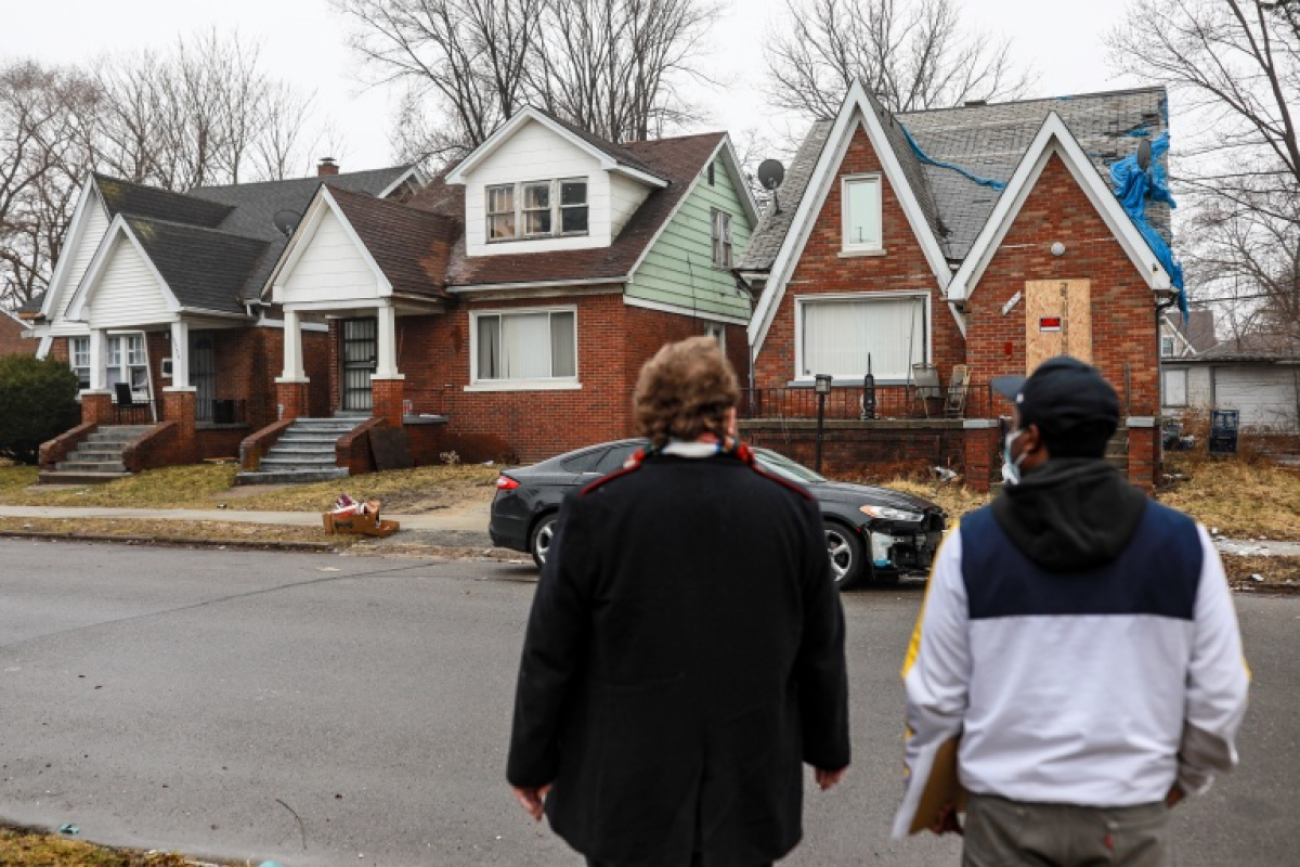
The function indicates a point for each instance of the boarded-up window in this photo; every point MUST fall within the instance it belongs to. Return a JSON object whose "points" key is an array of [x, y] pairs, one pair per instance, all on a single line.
{"points": [[838, 335], [1176, 387]]}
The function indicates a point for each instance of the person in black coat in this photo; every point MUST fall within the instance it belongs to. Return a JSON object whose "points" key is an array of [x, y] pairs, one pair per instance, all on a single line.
{"points": [[685, 651]]}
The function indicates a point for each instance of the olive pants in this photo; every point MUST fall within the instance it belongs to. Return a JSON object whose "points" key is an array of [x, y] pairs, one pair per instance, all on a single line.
{"points": [[1002, 833]]}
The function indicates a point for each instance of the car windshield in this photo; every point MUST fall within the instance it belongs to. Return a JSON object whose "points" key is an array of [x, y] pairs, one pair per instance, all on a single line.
{"points": [[783, 466]]}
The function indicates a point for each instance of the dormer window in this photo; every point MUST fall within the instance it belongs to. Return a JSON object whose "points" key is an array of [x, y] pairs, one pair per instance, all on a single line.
{"points": [[860, 201], [537, 209]]}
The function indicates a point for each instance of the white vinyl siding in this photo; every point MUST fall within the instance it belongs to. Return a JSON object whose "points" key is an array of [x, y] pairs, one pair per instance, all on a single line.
{"points": [[860, 203], [92, 232], [331, 268], [535, 153], [838, 335], [128, 292], [524, 346]]}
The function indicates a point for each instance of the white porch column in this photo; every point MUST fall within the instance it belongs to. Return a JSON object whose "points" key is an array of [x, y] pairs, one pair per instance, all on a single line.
{"points": [[386, 362], [98, 360], [293, 369], [180, 354]]}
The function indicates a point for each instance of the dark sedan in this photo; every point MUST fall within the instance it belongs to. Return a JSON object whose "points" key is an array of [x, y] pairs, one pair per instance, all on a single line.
{"points": [[871, 533]]}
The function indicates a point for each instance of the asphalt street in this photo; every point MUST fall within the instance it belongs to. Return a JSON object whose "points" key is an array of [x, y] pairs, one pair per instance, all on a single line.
{"points": [[328, 710]]}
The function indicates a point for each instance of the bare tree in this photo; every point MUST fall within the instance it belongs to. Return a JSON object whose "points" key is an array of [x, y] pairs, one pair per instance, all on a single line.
{"points": [[41, 160], [1234, 68], [615, 68], [911, 55]]}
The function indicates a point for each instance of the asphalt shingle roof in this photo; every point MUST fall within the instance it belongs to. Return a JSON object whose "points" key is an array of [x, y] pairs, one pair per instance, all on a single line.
{"points": [[204, 268], [137, 200], [410, 246], [254, 206], [1252, 347], [988, 141], [1198, 330]]}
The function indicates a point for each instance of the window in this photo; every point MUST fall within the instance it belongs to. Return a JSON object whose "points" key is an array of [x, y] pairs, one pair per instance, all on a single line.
{"points": [[838, 335], [721, 221], [128, 362], [537, 209], [501, 212], [529, 345], [861, 206], [1167, 346], [79, 355], [1176, 387]]}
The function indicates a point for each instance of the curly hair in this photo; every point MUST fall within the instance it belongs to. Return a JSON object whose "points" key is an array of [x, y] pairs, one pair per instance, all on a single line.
{"points": [[685, 391]]}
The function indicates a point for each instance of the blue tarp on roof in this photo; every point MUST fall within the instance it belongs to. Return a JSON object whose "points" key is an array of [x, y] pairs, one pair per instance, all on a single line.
{"points": [[1133, 186]]}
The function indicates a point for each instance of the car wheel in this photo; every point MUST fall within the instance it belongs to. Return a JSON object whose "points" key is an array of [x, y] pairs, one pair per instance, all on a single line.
{"points": [[845, 551], [539, 542]]}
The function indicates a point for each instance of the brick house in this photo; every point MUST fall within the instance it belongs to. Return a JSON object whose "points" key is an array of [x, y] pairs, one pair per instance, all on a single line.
{"points": [[506, 309], [985, 237], [155, 304], [501, 310]]}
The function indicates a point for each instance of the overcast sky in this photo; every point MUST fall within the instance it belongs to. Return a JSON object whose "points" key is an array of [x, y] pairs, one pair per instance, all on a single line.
{"points": [[304, 41]]}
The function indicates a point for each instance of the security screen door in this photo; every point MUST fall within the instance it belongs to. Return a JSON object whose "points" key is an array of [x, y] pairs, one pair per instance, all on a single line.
{"points": [[360, 351], [203, 374]]}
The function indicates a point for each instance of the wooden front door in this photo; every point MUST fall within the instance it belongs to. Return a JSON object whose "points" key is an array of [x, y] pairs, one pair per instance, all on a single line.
{"points": [[1058, 321], [360, 352]]}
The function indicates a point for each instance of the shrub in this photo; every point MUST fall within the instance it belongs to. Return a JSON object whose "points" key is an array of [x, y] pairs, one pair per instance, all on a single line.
{"points": [[38, 401]]}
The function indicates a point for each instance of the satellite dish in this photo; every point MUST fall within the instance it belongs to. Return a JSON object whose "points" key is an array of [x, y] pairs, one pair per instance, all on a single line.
{"points": [[1144, 155], [770, 174], [286, 221]]}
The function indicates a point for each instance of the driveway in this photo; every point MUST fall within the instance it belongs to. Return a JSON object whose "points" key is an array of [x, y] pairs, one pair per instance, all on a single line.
{"points": [[325, 710]]}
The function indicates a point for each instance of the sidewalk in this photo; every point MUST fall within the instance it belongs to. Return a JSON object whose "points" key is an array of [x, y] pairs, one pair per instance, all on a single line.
{"points": [[460, 528]]}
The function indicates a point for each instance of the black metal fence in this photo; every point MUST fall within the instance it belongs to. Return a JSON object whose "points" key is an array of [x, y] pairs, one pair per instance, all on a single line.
{"points": [[861, 403], [138, 412]]}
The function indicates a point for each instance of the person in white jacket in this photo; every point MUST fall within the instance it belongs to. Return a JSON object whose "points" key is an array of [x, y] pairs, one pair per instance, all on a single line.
{"points": [[1080, 642]]}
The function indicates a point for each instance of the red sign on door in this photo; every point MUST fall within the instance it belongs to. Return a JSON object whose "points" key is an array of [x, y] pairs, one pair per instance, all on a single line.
{"points": [[1049, 323]]}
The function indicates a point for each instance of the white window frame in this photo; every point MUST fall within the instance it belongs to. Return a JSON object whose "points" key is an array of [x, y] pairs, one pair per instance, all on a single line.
{"points": [[1164, 386], [79, 350], [800, 302], [847, 246], [555, 383], [557, 209], [119, 343], [720, 234], [1166, 346]]}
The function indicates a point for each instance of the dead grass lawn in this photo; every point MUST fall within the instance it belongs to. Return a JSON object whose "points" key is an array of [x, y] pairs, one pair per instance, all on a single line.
{"points": [[176, 531], [1241, 498], [26, 849]]}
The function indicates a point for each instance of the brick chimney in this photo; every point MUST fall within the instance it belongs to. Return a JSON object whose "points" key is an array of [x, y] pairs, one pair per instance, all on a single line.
{"points": [[326, 167]]}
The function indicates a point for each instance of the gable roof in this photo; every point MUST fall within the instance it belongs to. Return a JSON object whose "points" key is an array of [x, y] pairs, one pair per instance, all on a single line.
{"points": [[900, 168], [204, 268], [410, 246], [679, 160], [986, 140], [612, 157], [1198, 332], [1054, 139], [1270, 348]]}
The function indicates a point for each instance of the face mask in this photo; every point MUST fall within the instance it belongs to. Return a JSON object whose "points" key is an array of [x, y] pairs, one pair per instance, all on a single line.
{"points": [[1010, 467]]}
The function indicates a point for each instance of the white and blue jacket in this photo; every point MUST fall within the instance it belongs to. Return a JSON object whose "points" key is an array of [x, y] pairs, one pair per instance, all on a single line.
{"points": [[1101, 687]]}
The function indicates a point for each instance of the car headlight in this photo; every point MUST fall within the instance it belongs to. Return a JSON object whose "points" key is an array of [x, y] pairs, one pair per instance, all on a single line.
{"points": [[887, 514]]}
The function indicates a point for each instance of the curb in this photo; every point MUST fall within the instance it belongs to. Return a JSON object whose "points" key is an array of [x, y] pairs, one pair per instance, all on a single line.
{"points": [[173, 541]]}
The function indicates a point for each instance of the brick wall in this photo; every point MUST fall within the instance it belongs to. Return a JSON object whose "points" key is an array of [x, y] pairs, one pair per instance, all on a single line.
{"points": [[1123, 311], [865, 451], [821, 270], [12, 341]]}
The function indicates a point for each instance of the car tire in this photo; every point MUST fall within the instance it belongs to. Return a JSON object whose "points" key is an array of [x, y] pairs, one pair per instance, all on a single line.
{"points": [[540, 539], [845, 551]]}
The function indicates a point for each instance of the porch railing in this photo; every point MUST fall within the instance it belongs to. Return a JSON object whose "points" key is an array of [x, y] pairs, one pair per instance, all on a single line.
{"points": [[859, 403], [139, 412]]}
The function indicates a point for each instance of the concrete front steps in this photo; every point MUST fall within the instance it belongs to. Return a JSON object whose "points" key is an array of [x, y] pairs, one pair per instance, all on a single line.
{"points": [[98, 459], [304, 453]]}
